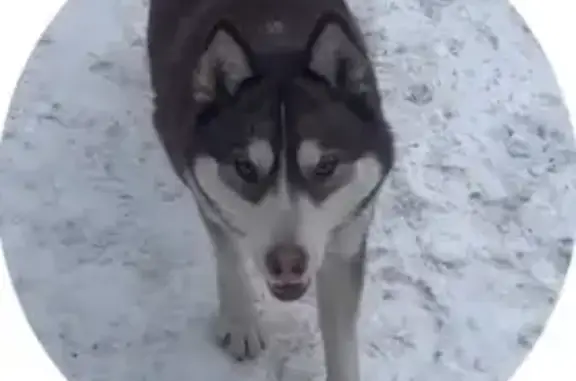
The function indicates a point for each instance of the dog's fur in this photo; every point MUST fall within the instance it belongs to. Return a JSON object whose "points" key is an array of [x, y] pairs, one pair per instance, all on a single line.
{"points": [[269, 112]]}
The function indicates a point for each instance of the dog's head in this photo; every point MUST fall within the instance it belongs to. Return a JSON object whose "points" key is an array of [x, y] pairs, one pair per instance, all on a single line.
{"points": [[281, 164]]}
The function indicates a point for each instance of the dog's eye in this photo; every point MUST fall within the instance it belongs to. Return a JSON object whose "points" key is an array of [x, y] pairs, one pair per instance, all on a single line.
{"points": [[326, 167], [246, 170]]}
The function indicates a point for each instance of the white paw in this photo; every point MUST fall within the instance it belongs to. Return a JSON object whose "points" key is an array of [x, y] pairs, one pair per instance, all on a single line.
{"points": [[241, 337]]}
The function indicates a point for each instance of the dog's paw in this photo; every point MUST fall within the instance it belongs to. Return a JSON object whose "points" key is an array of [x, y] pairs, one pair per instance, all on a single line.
{"points": [[241, 338]]}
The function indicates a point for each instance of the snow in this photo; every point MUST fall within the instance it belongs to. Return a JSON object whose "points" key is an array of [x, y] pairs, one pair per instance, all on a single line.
{"points": [[467, 254]]}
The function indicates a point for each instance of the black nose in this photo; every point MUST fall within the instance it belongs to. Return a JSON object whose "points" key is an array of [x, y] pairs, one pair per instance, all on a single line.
{"points": [[286, 263]]}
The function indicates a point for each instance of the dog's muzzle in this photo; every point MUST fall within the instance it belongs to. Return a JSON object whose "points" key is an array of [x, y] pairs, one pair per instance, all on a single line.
{"points": [[287, 265], [289, 292]]}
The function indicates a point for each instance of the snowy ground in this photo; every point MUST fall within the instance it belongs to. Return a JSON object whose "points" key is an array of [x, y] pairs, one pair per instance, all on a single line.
{"points": [[469, 249]]}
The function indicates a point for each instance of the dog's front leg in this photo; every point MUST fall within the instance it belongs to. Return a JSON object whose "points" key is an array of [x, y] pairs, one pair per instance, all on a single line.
{"points": [[339, 287], [238, 327]]}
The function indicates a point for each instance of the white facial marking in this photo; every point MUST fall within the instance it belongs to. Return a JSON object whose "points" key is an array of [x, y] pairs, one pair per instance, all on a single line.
{"points": [[309, 154], [279, 216], [317, 222], [258, 222], [287, 215], [260, 152], [229, 202]]}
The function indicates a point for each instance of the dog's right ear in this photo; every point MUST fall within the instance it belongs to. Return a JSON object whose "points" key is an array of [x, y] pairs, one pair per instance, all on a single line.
{"points": [[222, 67]]}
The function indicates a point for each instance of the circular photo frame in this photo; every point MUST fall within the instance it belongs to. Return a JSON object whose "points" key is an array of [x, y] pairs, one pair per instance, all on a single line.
{"points": [[22, 356]]}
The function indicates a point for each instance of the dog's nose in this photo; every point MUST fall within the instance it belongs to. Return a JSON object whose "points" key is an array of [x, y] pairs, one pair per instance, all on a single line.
{"points": [[287, 263]]}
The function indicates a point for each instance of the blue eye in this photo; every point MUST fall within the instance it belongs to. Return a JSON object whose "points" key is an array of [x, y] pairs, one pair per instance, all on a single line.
{"points": [[326, 167], [246, 170]]}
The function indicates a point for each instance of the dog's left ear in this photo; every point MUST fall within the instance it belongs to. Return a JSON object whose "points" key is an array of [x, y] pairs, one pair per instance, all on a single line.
{"points": [[336, 58]]}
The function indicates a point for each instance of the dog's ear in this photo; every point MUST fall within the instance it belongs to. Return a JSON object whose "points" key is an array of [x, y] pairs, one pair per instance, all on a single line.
{"points": [[222, 67], [336, 58]]}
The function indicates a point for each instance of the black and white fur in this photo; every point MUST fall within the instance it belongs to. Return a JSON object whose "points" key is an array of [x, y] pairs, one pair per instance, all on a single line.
{"points": [[269, 112]]}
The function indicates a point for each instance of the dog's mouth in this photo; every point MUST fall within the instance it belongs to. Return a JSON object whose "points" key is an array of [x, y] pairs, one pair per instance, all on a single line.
{"points": [[289, 292]]}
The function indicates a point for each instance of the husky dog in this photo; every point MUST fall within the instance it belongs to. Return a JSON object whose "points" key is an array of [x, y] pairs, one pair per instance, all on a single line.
{"points": [[269, 112]]}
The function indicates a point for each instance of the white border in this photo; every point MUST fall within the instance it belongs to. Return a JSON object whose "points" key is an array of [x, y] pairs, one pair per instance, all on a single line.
{"points": [[553, 356], [23, 358]]}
